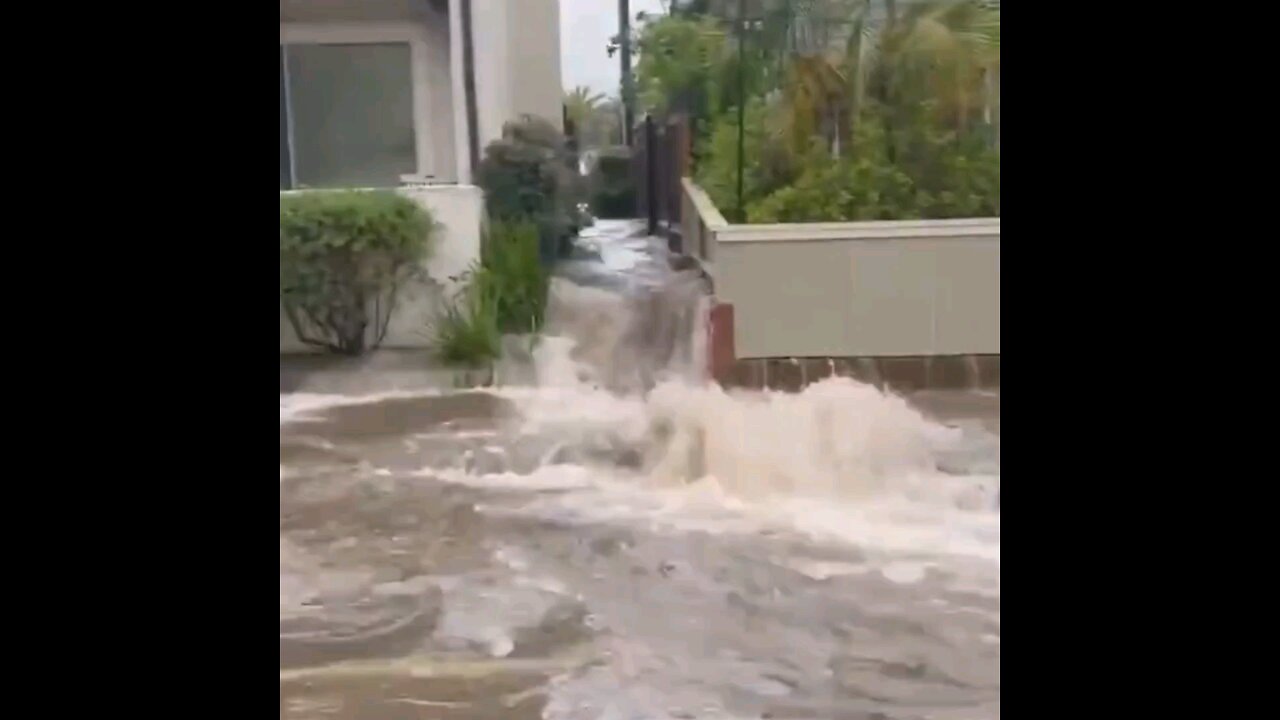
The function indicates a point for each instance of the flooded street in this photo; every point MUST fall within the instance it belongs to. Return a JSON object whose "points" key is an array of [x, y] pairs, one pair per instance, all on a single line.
{"points": [[602, 536]]}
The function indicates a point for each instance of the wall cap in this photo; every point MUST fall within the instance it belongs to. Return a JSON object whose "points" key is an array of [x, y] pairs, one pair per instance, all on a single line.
{"points": [[707, 209], [872, 230], [726, 232]]}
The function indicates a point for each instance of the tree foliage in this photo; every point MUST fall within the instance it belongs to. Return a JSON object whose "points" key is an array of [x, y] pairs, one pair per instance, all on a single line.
{"points": [[613, 192], [681, 64], [529, 175], [597, 119], [896, 123], [580, 104]]}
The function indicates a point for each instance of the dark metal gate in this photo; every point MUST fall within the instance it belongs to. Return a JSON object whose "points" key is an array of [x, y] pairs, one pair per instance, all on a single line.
{"points": [[661, 157]]}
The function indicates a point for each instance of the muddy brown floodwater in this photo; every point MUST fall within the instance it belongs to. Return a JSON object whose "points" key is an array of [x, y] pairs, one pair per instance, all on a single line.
{"points": [[602, 537]]}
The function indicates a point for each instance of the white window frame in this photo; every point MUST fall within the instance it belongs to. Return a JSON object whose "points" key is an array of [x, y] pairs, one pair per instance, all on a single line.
{"points": [[377, 34]]}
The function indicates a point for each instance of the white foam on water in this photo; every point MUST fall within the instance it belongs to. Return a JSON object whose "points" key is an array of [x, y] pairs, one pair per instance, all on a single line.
{"points": [[840, 461], [489, 608], [544, 477], [823, 569], [837, 439], [296, 407]]}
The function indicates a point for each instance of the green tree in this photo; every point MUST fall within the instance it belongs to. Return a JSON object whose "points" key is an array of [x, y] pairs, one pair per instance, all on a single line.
{"points": [[597, 120], [939, 53], [581, 104], [817, 104], [606, 123], [678, 61]]}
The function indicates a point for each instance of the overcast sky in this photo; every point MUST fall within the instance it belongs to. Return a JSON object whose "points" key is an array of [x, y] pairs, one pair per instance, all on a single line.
{"points": [[585, 29]]}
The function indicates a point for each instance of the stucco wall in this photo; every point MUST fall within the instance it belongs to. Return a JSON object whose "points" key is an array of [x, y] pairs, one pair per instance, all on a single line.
{"points": [[517, 62], [871, 289], [535, 58], [456, 245], [489, 20]]}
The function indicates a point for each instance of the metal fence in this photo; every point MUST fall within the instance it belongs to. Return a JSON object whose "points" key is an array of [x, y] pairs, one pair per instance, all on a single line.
{"points": [[660, 158]]}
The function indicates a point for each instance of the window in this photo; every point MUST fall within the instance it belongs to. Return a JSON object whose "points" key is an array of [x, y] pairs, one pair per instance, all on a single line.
{"points": [[346, 115]]}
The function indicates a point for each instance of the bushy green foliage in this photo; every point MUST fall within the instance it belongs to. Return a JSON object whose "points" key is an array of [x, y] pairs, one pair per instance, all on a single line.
{"points": [[343, 257], [681, 64], [532, 191], [767, 165], [956, 175], [935, 172], [961, 180], [511, 264], [530, 175], [688, 63], [948, 178], [466, 331], [506, 293], [897, 125], [850, 189], [613, 192], [597, 120]]}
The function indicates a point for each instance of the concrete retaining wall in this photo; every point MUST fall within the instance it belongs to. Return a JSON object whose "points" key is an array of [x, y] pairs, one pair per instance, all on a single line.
{"points": [[913, 289], [873, 292]]}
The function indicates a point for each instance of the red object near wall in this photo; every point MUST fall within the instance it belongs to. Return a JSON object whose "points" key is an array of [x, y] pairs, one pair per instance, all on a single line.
{"points": [[721, 353]]}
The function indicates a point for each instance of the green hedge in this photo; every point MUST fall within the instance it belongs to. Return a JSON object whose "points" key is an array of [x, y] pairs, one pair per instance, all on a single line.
{"points": [[613, 192], [344, 255], [529, 176]]}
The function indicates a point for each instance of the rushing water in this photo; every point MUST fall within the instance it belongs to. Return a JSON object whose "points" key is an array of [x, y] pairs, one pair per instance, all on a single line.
{"points": [[603, 536]]}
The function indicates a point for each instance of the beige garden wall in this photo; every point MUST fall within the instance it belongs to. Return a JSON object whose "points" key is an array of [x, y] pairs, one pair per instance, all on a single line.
{"points": [[867, 289], [458, 211]]}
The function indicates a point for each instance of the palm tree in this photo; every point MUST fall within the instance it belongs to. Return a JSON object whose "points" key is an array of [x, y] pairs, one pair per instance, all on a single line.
{"points": [[824, 91], [580, 104], [939, 51], [940, 55], [606, 124], [944, 49], [817, 103]]}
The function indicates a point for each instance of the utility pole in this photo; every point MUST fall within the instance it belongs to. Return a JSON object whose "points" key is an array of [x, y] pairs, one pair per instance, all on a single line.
{"points": [[628, 91], [742, 101]]}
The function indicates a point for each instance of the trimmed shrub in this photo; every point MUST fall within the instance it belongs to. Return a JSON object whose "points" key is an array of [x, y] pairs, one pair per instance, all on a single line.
{"points": [[613, 188], [344, 255], [528, 175]]}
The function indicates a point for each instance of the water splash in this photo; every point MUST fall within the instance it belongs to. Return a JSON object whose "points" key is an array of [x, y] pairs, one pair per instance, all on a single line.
{"points": [[803, 549], [837, 439], [620, 374]]}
